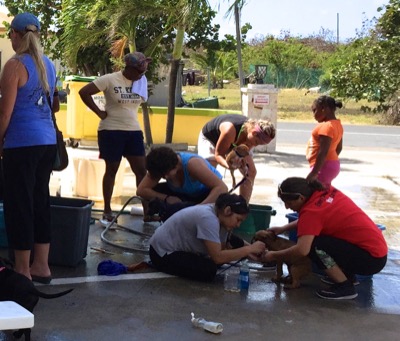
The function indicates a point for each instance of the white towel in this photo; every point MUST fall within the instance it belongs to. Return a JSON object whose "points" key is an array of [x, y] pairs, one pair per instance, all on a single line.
{"points": [[140, 87]]}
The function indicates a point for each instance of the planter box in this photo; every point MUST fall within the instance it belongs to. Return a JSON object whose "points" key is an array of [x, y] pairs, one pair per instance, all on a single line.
{"points": [[207, 103]]}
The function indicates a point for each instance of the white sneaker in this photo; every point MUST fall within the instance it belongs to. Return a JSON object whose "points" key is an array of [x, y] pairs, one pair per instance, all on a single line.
{"points": [[106, 219]]}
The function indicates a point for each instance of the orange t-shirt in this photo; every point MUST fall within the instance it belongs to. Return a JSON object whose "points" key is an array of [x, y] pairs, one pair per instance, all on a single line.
{"points": [[334, 130]]}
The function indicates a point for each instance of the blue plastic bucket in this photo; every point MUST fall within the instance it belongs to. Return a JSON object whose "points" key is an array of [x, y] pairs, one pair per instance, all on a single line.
{"points": [[293, 233]]}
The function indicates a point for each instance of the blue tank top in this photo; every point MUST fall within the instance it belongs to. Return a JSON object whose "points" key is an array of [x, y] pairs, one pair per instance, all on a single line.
{"points": [[31, 123], [190, 186]]}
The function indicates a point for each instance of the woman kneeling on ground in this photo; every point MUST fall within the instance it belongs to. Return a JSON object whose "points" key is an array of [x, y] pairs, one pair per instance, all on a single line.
{"points": [[190, 180], [334, 232], [196, 240]]}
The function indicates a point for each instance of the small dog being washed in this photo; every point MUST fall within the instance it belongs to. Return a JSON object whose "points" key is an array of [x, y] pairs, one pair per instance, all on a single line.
{"points": [[20, 289], [235, 160], [298, 268]]}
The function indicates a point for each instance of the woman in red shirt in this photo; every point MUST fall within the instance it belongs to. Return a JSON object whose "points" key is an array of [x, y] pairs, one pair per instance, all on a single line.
{"points": [[334, 232]]}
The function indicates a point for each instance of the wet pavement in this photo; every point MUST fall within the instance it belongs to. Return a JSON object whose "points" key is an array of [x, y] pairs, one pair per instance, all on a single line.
{"points": [[148, 305]]}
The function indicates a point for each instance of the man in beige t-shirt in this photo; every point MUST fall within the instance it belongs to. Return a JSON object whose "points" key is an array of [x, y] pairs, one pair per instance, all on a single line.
{"points": [[119, 132]]}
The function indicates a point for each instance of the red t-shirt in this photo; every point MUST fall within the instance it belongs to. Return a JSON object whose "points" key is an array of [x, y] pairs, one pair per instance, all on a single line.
{"points": [[332, 213]]}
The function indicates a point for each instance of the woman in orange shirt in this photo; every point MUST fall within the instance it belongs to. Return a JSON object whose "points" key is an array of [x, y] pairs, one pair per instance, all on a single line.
{"points": [[326, 140]]}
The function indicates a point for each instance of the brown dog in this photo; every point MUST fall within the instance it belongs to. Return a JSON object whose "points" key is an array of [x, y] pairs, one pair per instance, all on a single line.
{"points": [[298, 268], [234, 159]]}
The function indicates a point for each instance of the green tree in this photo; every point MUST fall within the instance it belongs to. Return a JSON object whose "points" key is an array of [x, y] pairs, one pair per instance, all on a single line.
{"points": [[291, 63], [184, 14], [235, 10], [216, 55], [371, 69], [48, 12], [150, 26], [117, 27]]}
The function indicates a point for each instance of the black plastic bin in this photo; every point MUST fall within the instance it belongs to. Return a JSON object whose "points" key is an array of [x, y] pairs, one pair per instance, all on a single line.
{"points": [[70, 221]]}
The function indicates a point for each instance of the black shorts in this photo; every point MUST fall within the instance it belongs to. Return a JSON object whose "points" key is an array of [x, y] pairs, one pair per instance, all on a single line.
{"points": [[114, 144]]}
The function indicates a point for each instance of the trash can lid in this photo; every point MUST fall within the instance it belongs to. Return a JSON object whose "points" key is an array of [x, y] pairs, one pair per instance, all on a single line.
{"points": [[76, 78]]}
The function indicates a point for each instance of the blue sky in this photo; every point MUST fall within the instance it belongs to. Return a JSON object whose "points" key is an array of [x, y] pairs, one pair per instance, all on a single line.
{"points": [[303, 17], [300, 17]]}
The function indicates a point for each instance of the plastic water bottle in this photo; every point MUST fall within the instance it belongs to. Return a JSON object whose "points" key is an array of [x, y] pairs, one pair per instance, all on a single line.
{"points": [[212, 327], [244, 275]]}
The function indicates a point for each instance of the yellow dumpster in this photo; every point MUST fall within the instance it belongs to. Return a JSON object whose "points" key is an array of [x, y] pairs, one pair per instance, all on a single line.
{"points": [[81, 122], [61, 117]]}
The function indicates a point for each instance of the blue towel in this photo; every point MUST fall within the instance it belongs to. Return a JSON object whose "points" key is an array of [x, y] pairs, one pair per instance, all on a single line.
{"points": [[111, 268]]}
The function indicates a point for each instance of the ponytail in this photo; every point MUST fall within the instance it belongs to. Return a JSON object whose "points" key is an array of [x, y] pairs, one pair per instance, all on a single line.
{"points": [[30, 44]]}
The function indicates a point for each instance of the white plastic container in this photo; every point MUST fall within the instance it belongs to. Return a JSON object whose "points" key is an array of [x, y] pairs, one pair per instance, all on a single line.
{"points": [[89, 178]]}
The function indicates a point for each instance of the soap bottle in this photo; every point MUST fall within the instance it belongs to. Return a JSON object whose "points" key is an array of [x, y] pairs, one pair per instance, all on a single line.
{"points": [[244, 275], [212, 327]]}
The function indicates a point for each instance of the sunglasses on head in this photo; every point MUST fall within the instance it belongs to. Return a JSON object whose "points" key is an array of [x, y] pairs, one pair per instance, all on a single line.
{"points": [[287, 195], [239, 207]]}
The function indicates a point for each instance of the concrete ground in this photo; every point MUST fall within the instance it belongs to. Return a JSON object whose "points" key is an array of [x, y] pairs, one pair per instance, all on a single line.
{"points": [[148, 305]]}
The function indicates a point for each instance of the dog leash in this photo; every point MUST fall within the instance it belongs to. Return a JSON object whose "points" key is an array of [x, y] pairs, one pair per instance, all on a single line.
{"points": [[238, 184], [230, 265], [241, 182]]}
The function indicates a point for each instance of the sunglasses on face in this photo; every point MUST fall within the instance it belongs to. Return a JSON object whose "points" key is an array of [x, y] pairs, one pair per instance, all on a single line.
{"points": [[287, 196], [9, 33], [140, 72]]}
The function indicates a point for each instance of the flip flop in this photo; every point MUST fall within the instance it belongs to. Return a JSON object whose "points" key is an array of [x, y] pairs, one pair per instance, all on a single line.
{"points": [[40, 279]]}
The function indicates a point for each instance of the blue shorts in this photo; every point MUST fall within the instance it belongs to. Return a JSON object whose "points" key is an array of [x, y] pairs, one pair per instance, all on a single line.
{"points": [[114, 144]]}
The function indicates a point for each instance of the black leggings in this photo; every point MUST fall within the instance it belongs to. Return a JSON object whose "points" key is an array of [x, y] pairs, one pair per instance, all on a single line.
{"points": [[185, 264], [27, 210], [349, 257], [188, 264]]}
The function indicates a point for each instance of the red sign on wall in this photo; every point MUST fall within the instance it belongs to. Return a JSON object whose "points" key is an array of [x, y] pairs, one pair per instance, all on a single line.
{"points": [[261, 99]]}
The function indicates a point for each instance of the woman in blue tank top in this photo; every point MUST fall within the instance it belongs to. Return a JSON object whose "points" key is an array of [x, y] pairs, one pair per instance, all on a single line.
{"points": [[189, 179], [27, 144]]}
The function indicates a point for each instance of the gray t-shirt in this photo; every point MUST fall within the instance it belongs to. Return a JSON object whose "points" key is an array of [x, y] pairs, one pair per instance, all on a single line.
{"points": [[187, 229]]}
